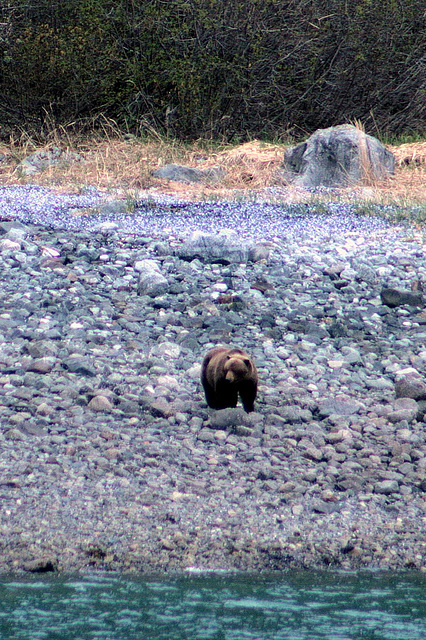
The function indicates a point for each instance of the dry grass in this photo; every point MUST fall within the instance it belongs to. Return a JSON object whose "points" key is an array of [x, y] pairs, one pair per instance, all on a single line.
{"points": [[409, 180], [126, 164]]}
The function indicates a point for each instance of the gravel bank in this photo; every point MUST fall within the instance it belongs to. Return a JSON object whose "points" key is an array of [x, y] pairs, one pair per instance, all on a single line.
{"points": [[109, 457]]}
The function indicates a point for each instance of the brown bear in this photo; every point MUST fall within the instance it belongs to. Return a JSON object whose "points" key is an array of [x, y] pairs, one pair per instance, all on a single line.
{"points": [[225, 373]]}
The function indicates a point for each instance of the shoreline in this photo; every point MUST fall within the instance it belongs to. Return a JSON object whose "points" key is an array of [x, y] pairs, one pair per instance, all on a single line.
{"points": [[109, 457]]}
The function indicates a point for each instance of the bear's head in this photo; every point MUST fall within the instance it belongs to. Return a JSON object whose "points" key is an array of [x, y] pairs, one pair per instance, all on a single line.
{"points": [[237, 367]]}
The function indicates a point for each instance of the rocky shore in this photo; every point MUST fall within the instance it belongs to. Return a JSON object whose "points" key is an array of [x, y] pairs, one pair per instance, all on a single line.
{"points": [[109, 456]]}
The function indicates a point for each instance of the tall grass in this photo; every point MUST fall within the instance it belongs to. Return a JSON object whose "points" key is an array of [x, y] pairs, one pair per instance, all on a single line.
{"points": [[113, 159]]}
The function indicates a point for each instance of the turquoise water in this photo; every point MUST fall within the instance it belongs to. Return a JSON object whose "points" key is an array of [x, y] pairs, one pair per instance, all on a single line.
{"points": [[291, 606]]}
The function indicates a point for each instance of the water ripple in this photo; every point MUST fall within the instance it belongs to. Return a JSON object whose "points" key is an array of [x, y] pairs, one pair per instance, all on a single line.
{"points": [[294, 606]]}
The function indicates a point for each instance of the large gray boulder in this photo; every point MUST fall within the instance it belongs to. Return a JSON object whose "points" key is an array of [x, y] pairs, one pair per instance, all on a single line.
{"points": [[336, 157]]}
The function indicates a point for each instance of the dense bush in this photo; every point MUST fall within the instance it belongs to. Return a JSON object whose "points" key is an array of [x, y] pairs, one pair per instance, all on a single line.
{"points": [[201, 68]]}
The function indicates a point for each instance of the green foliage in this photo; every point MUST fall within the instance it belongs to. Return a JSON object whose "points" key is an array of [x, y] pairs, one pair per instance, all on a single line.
{"points": [[215, 68]]}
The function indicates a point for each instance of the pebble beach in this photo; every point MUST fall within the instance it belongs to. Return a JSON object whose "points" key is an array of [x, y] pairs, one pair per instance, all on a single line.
{"points": [[110, 459]]}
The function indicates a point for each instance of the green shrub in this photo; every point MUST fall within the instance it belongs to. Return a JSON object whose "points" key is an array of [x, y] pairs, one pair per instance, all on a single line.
{"points": [[215, 68]]}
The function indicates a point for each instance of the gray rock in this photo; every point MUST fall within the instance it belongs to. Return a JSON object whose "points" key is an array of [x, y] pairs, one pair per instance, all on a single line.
{"points": [[41, 160], [15, 435], [7, 227], [225, 247], [294, 414], [180, 173], [337, 157], [397, 298], [9, 245], [313, 453], [116, 207], [129, 407], [242, 430], [403, 409], [226, 418], [16, 234], [81, 366], [339, 406], [260, 252], [42, 349], [411, 387], [45, 409], [387, 487], [379, 383], [100, 403], [319, 506], [151, 280], [42, 365]]}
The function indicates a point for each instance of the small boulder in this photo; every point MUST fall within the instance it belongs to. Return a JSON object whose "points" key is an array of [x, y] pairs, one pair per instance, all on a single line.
{"points": [[14, 435], [180, 173], [100, 403], [151, 280], [403, 409], [41, 160], [9, 245], [227, 418], [44, 409], [396, 298], [386, 487], [80, 365], [42, 365], [410, 387], [225, 247], [339, 406]]}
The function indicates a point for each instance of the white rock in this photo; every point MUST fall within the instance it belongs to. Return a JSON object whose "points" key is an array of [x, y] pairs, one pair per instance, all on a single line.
{"points": [[9, 245]]}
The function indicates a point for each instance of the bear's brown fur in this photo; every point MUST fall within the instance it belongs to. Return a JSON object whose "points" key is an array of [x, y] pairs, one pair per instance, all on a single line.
{"points": [[225, 373]]}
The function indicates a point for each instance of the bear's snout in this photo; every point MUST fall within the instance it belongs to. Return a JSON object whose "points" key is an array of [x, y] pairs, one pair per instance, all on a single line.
{"points": [[230, 376]]}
